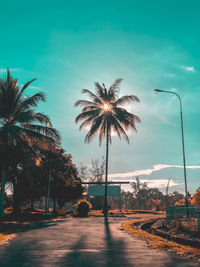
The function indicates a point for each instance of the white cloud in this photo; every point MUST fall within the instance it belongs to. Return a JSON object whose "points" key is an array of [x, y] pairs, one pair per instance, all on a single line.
{"points": [[151, 183], [31, 86], [11, 70], [174, 90], [156, 167], [34, 87], [188, 68], [170, 75], [160, 183]]}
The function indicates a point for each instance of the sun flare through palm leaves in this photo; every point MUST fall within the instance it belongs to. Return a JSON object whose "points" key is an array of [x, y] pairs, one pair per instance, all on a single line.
{"points": [[106, 106], [104, 113]]}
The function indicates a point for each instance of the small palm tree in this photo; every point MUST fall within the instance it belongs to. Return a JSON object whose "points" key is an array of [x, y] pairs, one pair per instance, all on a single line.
{"points": [[104, 113], [20, 125]]}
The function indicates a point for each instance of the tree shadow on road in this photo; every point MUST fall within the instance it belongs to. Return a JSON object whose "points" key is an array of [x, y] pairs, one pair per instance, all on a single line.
{"points": [[18, 252], [10, 228], [115, 248], [19, 255], [79, 256], [112, 253]]}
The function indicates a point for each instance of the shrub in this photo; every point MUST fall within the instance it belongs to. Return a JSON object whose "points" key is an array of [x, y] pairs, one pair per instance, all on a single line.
{"points": [[82, 208]]}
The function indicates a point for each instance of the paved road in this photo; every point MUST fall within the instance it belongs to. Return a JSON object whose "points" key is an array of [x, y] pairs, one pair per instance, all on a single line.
{"points": [[85, 242]]}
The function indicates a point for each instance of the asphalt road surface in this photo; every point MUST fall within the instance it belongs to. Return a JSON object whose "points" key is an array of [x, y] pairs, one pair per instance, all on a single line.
{"points": [[85, 242]]}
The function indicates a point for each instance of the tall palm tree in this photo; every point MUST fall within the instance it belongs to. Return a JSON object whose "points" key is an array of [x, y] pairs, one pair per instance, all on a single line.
{"points": [[104, 113], [20, 125]]}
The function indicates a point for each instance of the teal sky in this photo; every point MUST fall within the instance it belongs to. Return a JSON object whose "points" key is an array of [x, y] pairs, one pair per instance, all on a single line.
{"points": [[150, 44]]}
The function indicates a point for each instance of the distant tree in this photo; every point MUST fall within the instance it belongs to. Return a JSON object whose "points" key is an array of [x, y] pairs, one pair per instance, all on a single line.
{"points": [[83, 171], [96, 173], [175, 198], [97, 170], [196, 198], [137, 186], [145, 197], [156, 198], [129, 199]]}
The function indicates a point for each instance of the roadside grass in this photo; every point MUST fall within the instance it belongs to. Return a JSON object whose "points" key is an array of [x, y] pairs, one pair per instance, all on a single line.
{"points": [[4, 238], [159, 242]]}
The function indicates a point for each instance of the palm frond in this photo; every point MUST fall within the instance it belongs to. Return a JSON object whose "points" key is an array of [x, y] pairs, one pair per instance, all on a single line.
{"points": [[98, 87], [88, 108], [29, 116], [100, 91], [43, 146], [102, 132], [8, 76], [23, 88], [94, 97], [122, 117], [127, 119], [118, 128], [8, 93], [30, 101], [126, 99], [94, 128], [42, 118], [88, 121], [87, 114], [84, 103], [114, 89], [23, 116], [11, 82], [31, 134], [44, 130], [116, 84]]}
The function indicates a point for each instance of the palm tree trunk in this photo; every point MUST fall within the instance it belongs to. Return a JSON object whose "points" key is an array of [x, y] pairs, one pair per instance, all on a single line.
{"points": [[16, 198], [32, 204], [106, 175], [54, 205], [40, 205], [45, 204], [2, 196]]}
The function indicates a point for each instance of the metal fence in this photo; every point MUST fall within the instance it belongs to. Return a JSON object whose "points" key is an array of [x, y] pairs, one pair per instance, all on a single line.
{"points": [[175, 212]]}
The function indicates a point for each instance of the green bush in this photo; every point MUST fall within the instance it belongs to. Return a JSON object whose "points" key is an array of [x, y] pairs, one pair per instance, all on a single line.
{"points": [[82, 208]]}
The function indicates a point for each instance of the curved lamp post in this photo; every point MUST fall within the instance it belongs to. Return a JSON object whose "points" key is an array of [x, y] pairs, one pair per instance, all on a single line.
{"points": [[183, 146]]}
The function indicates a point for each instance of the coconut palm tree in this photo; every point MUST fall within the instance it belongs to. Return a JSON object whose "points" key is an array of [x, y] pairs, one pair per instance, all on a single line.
{"points": [[20, 125], [105, 114]]}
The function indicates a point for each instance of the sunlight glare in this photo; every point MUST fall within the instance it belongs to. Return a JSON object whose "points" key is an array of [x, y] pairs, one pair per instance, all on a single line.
{"points": [[106, 106]]}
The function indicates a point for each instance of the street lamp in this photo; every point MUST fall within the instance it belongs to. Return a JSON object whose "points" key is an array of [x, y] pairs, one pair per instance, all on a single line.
{"points": [[183, 146]]}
